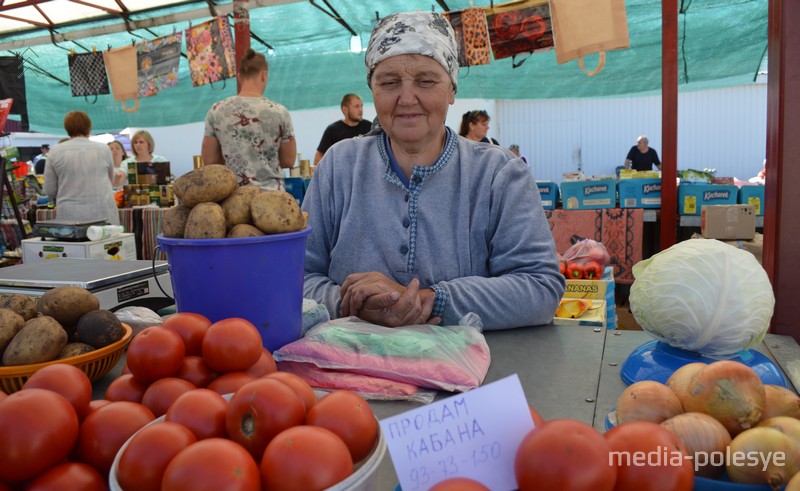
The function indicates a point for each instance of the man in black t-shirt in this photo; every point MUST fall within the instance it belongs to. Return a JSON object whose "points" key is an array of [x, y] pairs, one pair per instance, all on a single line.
{"points": [[351, 125], [641, 156]]}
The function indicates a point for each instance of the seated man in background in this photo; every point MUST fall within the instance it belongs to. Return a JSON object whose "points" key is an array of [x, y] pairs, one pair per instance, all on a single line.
{"points": [[641, 156]]}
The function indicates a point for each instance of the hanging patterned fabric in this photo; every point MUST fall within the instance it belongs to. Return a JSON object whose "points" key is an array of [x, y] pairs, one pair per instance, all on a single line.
{"points": [[209, 47], [123, 75], [523, 28], [472, 35], [87, 74], [157, 61]]}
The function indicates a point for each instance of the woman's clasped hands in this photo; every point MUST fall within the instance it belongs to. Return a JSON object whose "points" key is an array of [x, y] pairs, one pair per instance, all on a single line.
{"points": [[375, 298]]}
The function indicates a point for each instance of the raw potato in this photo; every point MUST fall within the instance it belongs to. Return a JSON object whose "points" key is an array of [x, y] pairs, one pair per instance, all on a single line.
{"points": [[99, 328], [237, 205], [10, 324], [66, 304], [276, 212], [210, 183], [173, 222], [244, 230], [206, 221], [40, 340], [21, 304], [74, 349]]}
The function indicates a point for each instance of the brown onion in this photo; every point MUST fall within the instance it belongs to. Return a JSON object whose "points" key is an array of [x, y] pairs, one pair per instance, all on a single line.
{"points": [[700, 434], [753, 460], [680, 379], [647, 401], [794, 483], [780, 402], [729, 391], [786, 425]]}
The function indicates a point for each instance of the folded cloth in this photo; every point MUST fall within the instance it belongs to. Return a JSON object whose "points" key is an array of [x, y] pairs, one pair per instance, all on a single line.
{"points": [[451, 358], [371, 388]]}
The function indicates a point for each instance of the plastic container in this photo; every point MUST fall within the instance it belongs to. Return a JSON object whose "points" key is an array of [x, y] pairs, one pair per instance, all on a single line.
{"points": [[99, 232], [256, 278]]}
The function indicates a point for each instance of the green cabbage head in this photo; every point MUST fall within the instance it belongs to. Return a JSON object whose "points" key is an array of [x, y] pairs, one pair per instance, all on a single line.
{"points": [[703, 295]]}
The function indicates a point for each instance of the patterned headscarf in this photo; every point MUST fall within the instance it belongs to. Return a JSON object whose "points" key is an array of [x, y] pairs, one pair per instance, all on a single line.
{"points": [[413, 33]]}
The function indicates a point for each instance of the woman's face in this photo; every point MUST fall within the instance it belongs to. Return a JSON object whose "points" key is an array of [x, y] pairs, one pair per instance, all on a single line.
{"points": [[141, 146], [411, 95], [116, 151], [478, 129]]}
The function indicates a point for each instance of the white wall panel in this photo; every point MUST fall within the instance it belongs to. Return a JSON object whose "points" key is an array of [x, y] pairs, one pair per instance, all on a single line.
{"points": [[722, 128]]}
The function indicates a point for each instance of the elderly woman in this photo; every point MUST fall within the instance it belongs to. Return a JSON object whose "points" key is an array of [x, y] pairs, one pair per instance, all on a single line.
{"points": [[414, 224], [78, 174]]}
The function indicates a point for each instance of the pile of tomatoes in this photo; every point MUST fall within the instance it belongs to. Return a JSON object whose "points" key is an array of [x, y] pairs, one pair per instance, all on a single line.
{"points": [[269, 432]]}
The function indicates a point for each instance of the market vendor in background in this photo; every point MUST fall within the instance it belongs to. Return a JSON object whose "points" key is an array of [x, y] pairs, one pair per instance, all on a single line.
{"points": [[350, 126], [120, 173], [413, 224], [143, 146], [641, 156], [475, 126], [78, 174], [249, 133]]}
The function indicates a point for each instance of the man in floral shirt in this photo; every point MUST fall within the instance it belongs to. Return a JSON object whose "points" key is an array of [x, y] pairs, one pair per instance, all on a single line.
{"points": [[249, 133]]}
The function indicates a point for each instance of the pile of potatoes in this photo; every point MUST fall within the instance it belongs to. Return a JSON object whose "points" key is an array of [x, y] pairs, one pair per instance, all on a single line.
{"points": [[64, 322], [213, 207]]}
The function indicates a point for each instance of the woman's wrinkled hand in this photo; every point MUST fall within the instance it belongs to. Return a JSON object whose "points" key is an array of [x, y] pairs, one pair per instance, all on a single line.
{"points": [[376, 298]]}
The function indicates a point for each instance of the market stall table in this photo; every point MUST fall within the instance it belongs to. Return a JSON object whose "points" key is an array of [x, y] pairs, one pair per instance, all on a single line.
{"points": [[566, 372]]}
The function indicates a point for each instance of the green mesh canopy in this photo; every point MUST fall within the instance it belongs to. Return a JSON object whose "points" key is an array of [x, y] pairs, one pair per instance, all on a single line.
{"points": [[720, 43]]}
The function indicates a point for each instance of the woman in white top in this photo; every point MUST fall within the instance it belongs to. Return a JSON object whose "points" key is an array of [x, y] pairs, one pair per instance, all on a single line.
{"points": [[78, 174], [142, 146]]}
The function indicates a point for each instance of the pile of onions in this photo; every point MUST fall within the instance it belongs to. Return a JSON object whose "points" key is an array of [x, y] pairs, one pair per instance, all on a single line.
{"points": [[762, 443], [647, 401], [729, 391], [781, 402], [700, 433], [794, 483], [785, 424], [680, 379]]}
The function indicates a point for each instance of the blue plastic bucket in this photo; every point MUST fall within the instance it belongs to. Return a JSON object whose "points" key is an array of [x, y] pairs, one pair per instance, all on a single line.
{"points": [[256, 278]]}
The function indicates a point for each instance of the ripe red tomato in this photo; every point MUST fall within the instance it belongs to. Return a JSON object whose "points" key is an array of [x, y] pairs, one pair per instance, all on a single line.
{"points": [[230, 382], [74, 476], [212, 465], [144, 460], [195, 370], [299, 386], [97, 404], [259, 411], [564, 454], [349, 416], [67, 380], [126, 388], [305, 458], [104, 431], [38, 429], [675, 473], [162, 393], [459, 484], [202, 411], [264, 366], [231, 345], [3, 395], [125, 370], [191, 328], [155, 353]]}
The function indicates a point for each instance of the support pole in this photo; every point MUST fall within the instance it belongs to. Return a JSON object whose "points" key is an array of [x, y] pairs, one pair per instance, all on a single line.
{"points": [[241, 30], [781, 259], [669, 122]]}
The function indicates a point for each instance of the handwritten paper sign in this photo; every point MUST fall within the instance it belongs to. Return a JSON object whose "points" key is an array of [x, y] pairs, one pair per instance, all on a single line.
{"points": [[474, 435]]}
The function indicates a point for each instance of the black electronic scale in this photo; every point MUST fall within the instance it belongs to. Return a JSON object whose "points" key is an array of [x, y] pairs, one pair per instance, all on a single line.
{"points": [[66, 229]]}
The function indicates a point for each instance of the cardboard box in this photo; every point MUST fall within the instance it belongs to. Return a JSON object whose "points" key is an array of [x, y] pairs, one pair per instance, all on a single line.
{"points": [[595, 316], [548, 190], [602, 289], [117, 248], [693, 197], [728, 222], [639, 193], [752, 195], [588, 195]]}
